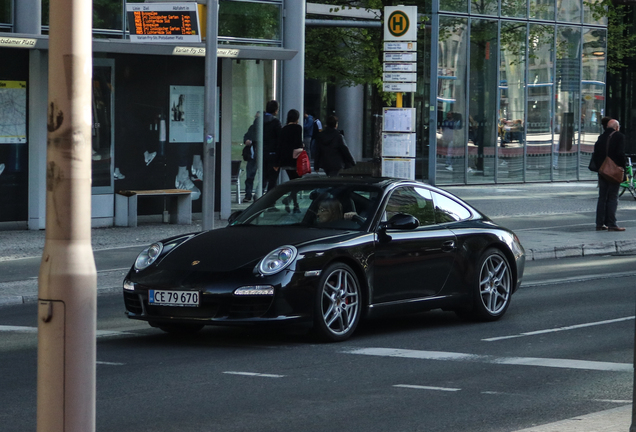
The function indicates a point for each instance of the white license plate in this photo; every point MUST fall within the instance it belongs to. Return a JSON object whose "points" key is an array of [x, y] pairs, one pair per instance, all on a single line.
{"points": [[173, 298]]}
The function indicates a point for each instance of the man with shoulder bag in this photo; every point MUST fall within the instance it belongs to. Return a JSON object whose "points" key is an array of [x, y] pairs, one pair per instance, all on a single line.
{"points": [[609, 158]]}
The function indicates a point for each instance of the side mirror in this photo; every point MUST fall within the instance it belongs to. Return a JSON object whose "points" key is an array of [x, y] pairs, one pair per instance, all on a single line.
{"points": [[233, 216], [401, 221]]}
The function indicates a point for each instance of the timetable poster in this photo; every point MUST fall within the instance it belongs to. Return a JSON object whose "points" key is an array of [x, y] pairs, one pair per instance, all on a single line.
{"points": [[398, 144], [186, 113], [398, 119], [399, 168]]}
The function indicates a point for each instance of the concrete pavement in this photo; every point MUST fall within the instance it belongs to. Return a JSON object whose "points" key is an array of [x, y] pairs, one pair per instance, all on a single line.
{"points": [[553, 220]]}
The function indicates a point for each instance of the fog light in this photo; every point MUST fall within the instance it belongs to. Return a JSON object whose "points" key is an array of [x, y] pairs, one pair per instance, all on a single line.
{"points": [[128, 285], [255, 290]]}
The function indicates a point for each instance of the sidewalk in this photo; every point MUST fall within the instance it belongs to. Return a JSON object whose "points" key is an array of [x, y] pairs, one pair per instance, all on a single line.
{"points": [[553, 220]]}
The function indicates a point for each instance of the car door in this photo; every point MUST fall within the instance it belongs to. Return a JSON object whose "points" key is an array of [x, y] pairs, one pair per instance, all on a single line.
{"points": [[412, 263]]}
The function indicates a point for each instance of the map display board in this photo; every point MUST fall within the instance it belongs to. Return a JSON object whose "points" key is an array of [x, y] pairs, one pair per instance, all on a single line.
{"points": [[13, 108], [163, 22], [186, 113]]}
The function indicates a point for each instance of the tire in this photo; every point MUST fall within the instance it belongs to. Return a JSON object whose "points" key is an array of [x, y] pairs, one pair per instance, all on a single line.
{"points": [[338, 304], [181, 329], [491, 287]]}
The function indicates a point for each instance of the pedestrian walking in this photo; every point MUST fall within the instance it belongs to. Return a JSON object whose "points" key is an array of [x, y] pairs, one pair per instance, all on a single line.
{"points": [[611, 143], [249, 155], [290, 144], [271, 136], [332, 153]]}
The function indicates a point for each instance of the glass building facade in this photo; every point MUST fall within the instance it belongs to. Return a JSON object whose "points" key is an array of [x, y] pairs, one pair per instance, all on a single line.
{"points": [[517, 91]]}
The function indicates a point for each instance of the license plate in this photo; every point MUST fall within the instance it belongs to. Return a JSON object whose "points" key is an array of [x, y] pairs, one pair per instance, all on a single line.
{"points": [[173, 298]]}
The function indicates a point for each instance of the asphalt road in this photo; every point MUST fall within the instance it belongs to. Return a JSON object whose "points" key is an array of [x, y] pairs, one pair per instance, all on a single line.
{"points": [[563, 349]]}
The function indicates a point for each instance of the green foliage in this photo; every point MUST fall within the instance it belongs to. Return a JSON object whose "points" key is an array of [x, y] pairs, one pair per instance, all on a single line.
{"points": [[621, 38]]}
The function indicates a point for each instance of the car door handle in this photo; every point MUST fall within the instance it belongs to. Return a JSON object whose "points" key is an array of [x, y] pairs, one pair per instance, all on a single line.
{"points": [[448, 246]]}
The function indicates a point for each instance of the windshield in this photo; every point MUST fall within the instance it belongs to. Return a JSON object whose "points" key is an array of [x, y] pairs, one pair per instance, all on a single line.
{"points": [[334, 206]]}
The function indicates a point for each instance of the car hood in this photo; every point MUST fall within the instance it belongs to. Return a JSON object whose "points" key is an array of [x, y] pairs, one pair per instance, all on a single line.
{"points": [[227, 249]]}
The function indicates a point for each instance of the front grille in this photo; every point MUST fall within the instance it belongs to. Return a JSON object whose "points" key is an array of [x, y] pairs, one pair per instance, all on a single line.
{"points": [[133, 303]]}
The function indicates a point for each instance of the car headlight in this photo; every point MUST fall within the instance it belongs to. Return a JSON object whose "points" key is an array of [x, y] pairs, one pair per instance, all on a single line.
{"points": [[277, 260], [148, 256]]}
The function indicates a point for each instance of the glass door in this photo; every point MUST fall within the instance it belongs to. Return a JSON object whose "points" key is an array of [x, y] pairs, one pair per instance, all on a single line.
{"points": [[103, 125]]}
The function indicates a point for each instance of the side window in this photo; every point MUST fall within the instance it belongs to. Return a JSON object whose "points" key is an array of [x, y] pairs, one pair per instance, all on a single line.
{"points": [[448, 210], [414, 201]]}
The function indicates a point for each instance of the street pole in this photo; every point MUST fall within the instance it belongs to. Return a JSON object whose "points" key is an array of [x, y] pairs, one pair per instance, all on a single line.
{"points": [[209, 133], [67, 296]]}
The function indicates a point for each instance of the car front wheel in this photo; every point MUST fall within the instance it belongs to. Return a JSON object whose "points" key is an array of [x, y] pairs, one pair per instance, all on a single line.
{"points": [[338, 303]]}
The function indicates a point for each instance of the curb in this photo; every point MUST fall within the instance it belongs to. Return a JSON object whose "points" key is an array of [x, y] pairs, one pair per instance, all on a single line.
{"points": [[592, 249], [33, 298]]}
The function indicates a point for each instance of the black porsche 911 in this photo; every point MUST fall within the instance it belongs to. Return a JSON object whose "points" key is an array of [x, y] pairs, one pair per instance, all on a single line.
{"points": [[326, 253]]}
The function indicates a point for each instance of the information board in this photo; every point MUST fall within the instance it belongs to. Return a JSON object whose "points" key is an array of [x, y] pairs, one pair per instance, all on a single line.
{"points": [[398, 144], [163, 22], [399, 167]]}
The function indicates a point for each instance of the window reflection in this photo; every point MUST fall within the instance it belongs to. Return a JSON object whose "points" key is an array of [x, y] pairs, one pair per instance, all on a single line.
{"points": [[567, 80], [482, 127], [5, 12], [514, 8], [512, 86], [484, 7], [453, 5], [540, 96], [451, 100], [592, 94], [542, 9], [569, 10]]}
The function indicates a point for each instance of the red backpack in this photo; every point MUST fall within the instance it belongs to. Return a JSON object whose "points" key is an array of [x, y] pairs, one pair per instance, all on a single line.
{"points": [[303, 166]]}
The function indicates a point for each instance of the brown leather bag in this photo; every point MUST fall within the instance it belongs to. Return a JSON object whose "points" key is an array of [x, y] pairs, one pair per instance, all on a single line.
{"points": [[609, 170]]}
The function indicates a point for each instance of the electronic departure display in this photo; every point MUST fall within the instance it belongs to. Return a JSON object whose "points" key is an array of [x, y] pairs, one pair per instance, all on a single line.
{"points": [[163, 22]]}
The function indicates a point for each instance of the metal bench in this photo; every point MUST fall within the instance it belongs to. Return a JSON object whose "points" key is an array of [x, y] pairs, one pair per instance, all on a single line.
{"points": [[179, 206]]}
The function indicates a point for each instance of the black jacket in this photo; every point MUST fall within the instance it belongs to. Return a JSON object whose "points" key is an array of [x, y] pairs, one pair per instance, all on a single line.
{"points": [[291, 137], [271, 136], [332, 154], [616, 148]]}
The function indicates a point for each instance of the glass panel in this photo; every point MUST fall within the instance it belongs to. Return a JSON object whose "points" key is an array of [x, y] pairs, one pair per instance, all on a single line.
{"points": [[102, 125], [5, 12], [252, 87], [569, 10], [567, 114], [540, 96], [448, 210], [453, 5], [514, 8], [451, 100], [591, 11], [414, 201], [512, 101], [107, 14], [542, 9], [482, 109], [249, 20], [484, 7], [593, 95]]}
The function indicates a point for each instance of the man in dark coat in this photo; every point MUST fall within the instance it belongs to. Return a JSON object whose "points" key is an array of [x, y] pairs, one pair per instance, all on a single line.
{"points": [[332, 154], [608, 191], [271, 135]]}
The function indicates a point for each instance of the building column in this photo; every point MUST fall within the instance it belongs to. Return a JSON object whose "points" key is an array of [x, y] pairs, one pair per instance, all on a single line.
{"points": [[294, 69], [350, 112], [226, 139]]}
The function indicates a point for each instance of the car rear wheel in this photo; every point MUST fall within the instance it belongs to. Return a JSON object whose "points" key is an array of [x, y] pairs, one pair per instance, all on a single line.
{"points": [[338, 303], [492, 287]]}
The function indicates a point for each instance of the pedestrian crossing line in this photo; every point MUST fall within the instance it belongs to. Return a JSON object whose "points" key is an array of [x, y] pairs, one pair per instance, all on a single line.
{"points": [[516, 361], [559, 329], [254, 374], [420, 387], [109, 363]]}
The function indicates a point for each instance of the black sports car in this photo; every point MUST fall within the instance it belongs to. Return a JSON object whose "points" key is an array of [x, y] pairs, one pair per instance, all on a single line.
{"points": [[328, 252]]}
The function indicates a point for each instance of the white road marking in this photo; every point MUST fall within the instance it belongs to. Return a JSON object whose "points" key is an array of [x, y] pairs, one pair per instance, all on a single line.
{"points": [[109, 363], [558, 329], [18, 329], [519, 361], [617, 401], [27, 329], [419, 387], [254, 374]]}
